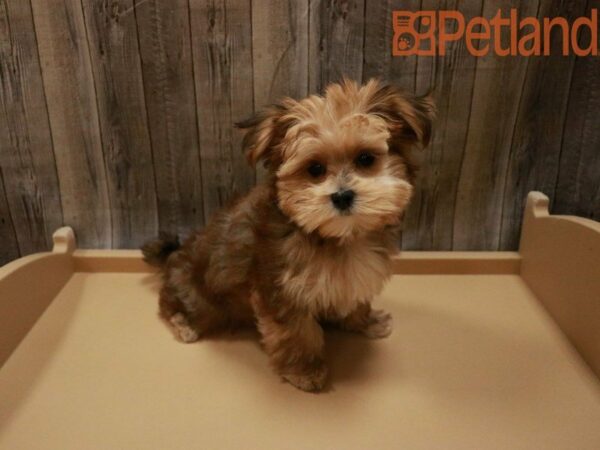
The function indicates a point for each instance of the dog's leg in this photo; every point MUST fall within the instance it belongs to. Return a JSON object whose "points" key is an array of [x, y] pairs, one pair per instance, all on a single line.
{"points": [[191, 325], [173, 311], [373, 323], [182, 328], [185, 310], [294, 342]]}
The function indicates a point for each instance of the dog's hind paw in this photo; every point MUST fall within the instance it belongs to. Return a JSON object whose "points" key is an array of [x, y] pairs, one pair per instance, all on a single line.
{"points": [[183, 331], [380, 325]]}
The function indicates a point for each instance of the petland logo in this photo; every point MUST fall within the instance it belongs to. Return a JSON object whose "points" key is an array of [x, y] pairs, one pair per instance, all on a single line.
{"points": [[427, 33]]}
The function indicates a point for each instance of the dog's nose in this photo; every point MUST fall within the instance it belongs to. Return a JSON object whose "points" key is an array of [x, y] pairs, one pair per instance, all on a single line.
{"points": [[343, 200]]}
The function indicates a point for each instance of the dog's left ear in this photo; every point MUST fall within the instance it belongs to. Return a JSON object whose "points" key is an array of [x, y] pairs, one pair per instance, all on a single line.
{"points": [[409, 117], [264, 132]]}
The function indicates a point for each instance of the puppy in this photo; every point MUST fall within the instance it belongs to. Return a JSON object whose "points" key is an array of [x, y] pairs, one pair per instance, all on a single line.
{"points": [[312, 244]]}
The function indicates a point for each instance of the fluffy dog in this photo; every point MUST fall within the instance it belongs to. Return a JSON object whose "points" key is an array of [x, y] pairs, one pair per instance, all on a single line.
{"points": [[311, 245]]}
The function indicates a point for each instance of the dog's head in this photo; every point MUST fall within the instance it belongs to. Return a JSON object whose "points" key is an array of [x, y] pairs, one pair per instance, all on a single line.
{"points": [[342, 163]]}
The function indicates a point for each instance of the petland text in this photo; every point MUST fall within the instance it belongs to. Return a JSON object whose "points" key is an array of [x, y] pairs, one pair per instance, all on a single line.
{"points": [[428, 33]]}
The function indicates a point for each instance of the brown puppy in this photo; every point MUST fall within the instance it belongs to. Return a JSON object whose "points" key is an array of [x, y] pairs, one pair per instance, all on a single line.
{"points": [[313, 243]]}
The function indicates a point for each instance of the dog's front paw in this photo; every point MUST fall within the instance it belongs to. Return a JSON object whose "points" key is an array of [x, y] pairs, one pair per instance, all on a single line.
{"points": [[379, 325], [310, 382]]}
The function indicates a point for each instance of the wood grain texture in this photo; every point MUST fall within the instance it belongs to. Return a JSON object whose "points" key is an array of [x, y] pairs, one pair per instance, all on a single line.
{"points": [[115, 59], [9, 247], [116, 116], [31, 187], [495, 103], [279, 49], [578, 183], [336, 41], [535, 149], [72, 107], [378, 34], [280, 61], [428, 222], [222, 49], [164, 39]]}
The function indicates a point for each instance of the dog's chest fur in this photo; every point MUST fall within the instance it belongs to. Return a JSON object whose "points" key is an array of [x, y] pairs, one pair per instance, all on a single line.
{"points": [[329, 277]]}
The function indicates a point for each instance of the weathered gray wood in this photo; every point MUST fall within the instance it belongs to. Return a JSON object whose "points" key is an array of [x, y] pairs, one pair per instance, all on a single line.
{"points": [[578, 184], [280, 60], [495, 102], [9, 248], [71, 97], [536, 144], [239, 18], [222, 54], [115, 58], [26, 154], [164, 38], [336, 40], [140, 106], [279, 49], [428, 221], [378, 38]]}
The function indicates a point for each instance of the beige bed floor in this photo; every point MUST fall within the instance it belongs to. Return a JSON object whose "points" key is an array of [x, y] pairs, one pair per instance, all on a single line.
{"points": [[473, 362]]}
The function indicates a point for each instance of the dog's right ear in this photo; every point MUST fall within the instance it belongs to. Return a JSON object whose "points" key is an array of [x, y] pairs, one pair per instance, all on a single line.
{"points": [[265, 131]]}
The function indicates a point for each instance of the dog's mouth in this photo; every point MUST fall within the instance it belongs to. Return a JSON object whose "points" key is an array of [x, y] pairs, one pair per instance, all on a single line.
{"points": [[348, 224], [345, 213]]}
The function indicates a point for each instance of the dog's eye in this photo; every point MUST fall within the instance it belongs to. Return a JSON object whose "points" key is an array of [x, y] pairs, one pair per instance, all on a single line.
{"points": [[365, 159], [316, 169]]}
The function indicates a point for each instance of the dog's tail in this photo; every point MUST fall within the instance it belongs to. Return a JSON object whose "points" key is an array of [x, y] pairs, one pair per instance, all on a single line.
{"points": [[158, 250]]}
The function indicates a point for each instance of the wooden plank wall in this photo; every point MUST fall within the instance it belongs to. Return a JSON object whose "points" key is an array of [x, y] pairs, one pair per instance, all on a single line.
{"points": [[116, 116]]}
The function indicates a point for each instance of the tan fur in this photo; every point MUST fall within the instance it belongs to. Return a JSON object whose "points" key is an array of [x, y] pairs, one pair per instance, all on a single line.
{"points": [[334, 276], [284, 257]]}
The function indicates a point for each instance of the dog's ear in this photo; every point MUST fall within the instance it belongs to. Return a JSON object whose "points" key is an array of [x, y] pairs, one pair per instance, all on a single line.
{"points": [[409, 118], [264, 132]]}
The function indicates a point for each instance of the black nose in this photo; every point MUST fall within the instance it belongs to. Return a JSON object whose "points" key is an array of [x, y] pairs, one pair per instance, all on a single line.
{"points": [[343, 200]]}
